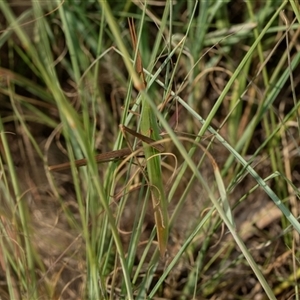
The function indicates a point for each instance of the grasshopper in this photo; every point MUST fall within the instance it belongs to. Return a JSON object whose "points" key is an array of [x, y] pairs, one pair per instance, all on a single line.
{"points": [[149, 136]]}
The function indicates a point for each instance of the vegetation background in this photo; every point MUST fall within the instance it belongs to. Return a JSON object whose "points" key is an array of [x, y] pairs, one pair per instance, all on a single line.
{"points": [[223, 85]]}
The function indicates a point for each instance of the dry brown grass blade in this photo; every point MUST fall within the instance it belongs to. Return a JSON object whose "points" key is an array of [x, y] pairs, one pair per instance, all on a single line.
{"points": [[138, 63]]}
